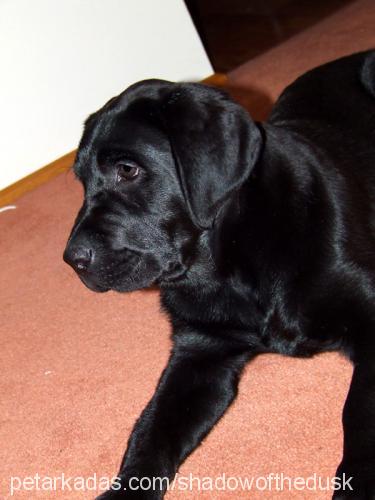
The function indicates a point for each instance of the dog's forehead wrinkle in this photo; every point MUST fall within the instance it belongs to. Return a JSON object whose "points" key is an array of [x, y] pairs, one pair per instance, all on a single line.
{"points": [[86, 156], [151, 151]]}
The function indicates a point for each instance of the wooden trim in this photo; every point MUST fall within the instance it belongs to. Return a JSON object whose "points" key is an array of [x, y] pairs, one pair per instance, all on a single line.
{"points": [[216, 80], [32, 181]]}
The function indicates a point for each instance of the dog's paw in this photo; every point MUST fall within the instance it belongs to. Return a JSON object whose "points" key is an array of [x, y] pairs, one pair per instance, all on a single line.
{"points": [[122, 494], [128, 495], [119, 492], [360, 492], [365, 491], [358, 484], [125, 494], [110, 494]]}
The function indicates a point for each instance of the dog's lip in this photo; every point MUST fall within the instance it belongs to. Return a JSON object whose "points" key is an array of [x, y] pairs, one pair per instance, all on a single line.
{"points": [[89, 278], [174, 272]]}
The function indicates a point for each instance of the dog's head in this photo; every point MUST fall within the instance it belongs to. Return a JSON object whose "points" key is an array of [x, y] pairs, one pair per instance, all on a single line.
{"points": [[157, 162]]}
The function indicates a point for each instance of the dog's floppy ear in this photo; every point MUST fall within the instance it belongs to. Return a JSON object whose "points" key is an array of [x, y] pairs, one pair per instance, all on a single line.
{"points": [[215, 144]]}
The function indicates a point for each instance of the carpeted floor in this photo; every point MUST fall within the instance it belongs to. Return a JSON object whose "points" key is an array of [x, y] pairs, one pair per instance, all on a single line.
{"points": [[78, 367]]}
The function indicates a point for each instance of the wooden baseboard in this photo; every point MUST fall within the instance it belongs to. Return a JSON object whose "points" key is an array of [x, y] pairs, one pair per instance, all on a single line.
{"points": [[32, 181], [216, 80]]}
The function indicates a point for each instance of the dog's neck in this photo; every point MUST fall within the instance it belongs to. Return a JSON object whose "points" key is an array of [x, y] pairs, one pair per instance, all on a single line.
{"points": [[259, 217]]}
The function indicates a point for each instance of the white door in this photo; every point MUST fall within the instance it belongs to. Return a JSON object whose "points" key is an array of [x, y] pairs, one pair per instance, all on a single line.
{"points": [[62, 59]]}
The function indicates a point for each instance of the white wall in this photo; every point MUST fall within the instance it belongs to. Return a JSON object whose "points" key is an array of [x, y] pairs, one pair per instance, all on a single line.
{"points": [[62, 59]]}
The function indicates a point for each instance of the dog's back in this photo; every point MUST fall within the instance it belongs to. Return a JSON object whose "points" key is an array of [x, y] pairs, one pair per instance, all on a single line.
{"points": [[338, 96], [332, 107]]}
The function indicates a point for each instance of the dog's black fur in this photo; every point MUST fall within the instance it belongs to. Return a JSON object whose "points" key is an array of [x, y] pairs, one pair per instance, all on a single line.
{"points": [[260, 236]]}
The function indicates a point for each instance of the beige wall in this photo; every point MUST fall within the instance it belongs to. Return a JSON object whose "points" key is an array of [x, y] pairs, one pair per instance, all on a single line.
{"points": [[62, 59]]}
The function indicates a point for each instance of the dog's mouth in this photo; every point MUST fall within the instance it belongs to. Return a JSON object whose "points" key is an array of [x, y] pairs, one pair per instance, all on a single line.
{"points": [[173, 272], [92, 285], [128, 269], [118, 276], [140, 275]]}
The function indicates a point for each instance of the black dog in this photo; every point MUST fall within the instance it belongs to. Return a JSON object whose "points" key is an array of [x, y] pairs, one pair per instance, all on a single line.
{"points": [[260, 236]]}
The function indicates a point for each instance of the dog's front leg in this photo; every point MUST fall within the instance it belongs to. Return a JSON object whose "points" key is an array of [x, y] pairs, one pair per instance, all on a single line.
{"points": [[197, 386], [359, 436]]}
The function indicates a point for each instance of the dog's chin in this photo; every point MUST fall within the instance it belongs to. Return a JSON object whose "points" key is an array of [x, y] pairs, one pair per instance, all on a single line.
{"points": [[132, 286], [91, 285], [125, 284]]}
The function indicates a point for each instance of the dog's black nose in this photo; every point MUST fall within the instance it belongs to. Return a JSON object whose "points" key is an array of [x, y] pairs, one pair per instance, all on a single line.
{"points": [[79, 258]]}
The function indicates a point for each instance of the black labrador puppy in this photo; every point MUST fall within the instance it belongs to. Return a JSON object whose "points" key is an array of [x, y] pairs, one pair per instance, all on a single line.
{"points": [[261, 238]]}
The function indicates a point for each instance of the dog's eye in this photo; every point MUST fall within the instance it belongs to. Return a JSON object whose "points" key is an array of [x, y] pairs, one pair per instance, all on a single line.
{"points": [[126, 171]]}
